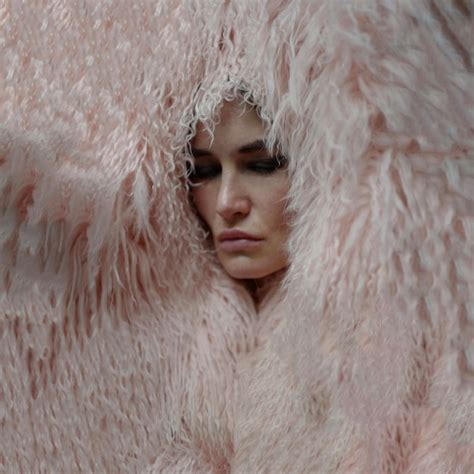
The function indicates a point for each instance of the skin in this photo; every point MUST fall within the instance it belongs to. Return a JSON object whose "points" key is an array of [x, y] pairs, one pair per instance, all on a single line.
{"points": [[239, 184]]}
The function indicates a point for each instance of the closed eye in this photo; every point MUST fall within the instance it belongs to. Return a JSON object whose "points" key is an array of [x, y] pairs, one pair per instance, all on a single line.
{"points": [[267, 165], [203, 172]]}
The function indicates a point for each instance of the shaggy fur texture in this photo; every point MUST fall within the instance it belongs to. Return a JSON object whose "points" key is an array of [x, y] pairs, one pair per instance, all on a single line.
{"points": [[119, 332]]}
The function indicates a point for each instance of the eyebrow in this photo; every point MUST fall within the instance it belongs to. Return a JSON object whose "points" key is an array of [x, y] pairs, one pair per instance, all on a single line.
{"points": [[257, 145]]}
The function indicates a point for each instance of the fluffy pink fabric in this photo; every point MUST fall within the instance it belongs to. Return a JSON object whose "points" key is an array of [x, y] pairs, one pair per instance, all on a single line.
{"points": [[119, 333]]}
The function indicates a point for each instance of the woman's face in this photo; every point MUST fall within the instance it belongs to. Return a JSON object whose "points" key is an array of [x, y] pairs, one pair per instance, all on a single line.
{"points": [[241, 187]]}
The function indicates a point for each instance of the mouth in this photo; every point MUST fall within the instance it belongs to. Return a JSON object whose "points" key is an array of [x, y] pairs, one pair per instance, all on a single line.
{"points": [[239, 245], [236, 240]]}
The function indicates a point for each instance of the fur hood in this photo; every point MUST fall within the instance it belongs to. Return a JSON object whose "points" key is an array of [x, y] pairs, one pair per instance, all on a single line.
{"points": [[105, 276]]}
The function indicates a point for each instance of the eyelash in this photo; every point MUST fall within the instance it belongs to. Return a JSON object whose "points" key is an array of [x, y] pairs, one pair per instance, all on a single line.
{"points": [[263, 167]]}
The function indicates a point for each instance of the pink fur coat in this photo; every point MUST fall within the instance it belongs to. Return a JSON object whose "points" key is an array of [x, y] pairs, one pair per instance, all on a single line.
{"points": [[123, 345]]}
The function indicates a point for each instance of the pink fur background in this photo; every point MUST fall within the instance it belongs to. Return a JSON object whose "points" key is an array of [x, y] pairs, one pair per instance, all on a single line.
{"points": [[118, 329]]}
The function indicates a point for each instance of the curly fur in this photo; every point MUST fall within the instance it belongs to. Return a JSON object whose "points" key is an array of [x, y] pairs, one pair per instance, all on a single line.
{"points": [[119, 332]]}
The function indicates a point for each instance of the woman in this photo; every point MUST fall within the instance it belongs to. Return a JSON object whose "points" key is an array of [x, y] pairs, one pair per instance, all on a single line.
{"points": [[132, 339], [239, 189]]}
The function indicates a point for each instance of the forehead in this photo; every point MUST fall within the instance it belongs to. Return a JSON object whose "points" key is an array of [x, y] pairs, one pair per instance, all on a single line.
{"points": [[237, 124]]}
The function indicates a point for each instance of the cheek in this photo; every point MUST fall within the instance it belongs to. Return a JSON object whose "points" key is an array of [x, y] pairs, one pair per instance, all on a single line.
{"points": [[273, 201], [204, 203]]}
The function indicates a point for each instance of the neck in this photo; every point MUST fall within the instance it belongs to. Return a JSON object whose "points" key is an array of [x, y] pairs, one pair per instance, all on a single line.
{"points": [[260, 287]]}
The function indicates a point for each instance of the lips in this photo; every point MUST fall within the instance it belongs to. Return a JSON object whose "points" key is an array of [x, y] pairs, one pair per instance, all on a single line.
{"points": [[237, 241], [236, 235]]}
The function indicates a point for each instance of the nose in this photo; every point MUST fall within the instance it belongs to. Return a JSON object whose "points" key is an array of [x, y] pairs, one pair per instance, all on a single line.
{"points": [[233, 201]]}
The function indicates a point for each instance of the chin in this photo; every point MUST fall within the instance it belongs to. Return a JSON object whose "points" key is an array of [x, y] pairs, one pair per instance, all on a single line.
{"points": [[249, 271], [246, 275]]}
